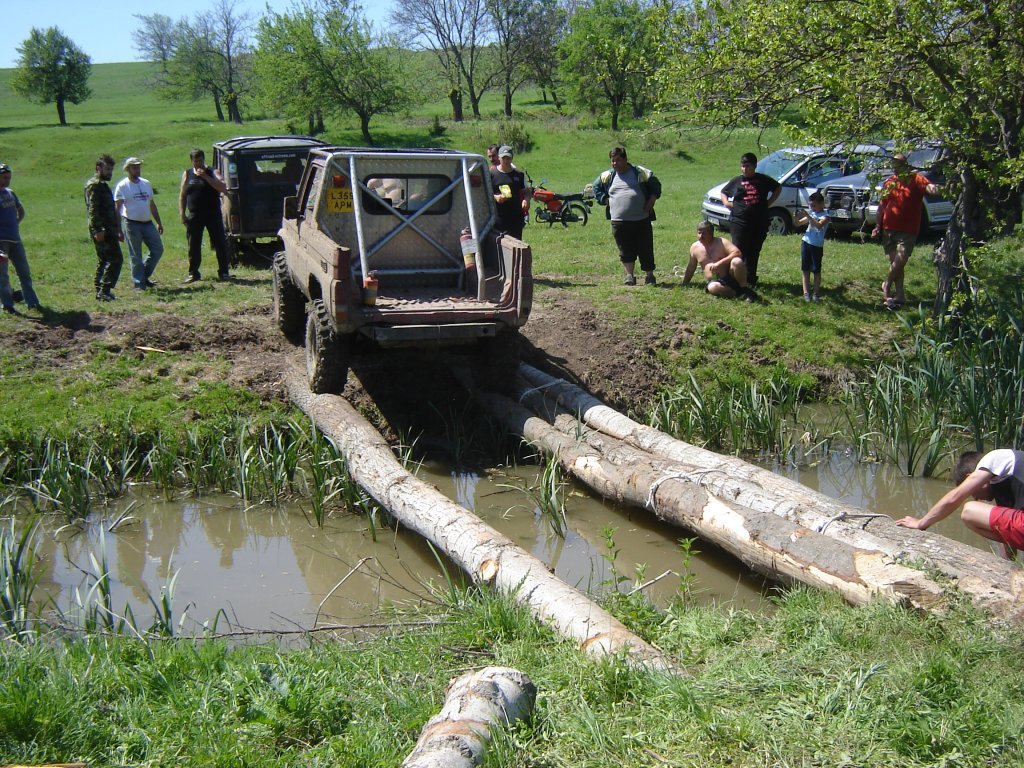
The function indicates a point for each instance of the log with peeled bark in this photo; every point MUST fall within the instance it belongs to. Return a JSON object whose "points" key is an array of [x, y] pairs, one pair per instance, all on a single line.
{"points": [[993, 584], [476, 702], [487, 556], [768, 544]]}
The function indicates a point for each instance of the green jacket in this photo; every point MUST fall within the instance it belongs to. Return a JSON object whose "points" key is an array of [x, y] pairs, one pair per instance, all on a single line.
{"points": [[99, 202], [648, 183]]}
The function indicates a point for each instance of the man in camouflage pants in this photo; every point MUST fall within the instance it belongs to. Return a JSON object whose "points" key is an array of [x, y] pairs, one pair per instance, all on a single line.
{"points": [[104, 228]]}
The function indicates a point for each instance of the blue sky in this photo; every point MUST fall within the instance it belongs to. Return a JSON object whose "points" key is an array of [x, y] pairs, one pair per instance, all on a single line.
{"points": [[103, 29]]}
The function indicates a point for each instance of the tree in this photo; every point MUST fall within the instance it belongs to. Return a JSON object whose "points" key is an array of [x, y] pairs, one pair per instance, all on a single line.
{"points": [[908, 69], [456, 32], [610, 56], [156, 38], [515, 22], [324, 55], [212, 57], [52, 70], [549, 28]]}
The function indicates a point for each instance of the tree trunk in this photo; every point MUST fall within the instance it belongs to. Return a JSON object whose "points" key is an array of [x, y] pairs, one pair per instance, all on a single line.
{"points": [[483, 553], [217, 106], [61, 114], [508, 101], [457, 736], [993, 584], [234, 113], [455, 97], [364, 128]]}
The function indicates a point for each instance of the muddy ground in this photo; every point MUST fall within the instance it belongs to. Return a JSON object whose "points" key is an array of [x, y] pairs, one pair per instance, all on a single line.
{"points": [[404, 393]]}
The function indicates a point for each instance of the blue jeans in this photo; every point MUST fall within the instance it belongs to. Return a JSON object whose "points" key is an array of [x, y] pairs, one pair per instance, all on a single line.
{"points": [[16, 254], [137, 233]]}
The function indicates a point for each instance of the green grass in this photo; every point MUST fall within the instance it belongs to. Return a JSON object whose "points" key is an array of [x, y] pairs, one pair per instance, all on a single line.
{"points": [[813, 683], [810, 682]]}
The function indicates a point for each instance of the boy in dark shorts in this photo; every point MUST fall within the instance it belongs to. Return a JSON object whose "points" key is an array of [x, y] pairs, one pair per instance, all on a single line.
{"points": [[997, 477]]}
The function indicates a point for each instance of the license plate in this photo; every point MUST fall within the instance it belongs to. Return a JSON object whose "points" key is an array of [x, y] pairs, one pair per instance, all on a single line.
{"points": [[714, 221], [839, 213]]}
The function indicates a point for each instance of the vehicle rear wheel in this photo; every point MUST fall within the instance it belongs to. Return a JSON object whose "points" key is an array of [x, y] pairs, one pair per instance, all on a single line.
{"points": [[579, 210], [327, 354], [289, 303], [779, 222]]}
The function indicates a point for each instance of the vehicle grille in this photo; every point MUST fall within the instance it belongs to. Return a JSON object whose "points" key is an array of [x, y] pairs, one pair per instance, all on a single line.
{"points": [[845, 198]]}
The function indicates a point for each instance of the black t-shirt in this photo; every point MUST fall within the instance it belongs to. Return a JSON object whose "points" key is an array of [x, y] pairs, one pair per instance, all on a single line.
{"points": [[510, 212], [750, 196], [200, 197]]}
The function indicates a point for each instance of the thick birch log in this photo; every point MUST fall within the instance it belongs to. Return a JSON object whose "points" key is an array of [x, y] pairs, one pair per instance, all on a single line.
{"points": [[769, 544], [482, 552], [476, 702], [993, 584]]}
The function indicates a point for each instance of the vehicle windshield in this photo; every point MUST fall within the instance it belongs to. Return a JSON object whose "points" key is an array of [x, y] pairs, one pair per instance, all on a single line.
{"points": [[779, 163]]}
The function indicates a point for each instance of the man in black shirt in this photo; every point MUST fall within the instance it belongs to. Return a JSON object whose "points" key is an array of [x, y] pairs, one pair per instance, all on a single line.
{"points": [[509, 184], [748, 198]]}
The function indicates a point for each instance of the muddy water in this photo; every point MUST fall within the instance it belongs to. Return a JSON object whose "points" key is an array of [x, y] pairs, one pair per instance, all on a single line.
{"points": [[272, 568]]}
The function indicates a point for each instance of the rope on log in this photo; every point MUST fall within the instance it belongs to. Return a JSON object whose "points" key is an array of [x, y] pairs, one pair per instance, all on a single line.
{"points": [[476, 702], [993, 584]]}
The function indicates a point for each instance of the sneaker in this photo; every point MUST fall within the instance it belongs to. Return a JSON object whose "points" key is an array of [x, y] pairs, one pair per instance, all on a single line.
{"points": [[892, 305], [149, 283], [139, 286], [649, 280], [749, 296], [807, 297], [193, 278], [816, 297], [105, 296], [224, 276], [9, 310], [630, 280]]}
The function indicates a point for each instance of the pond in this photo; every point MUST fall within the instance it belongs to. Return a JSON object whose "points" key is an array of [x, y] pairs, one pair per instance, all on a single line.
{"points": [[271, 568]]}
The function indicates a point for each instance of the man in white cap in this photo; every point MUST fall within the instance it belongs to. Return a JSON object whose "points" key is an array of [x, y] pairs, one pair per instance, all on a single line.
{"points": [[133, 197]]}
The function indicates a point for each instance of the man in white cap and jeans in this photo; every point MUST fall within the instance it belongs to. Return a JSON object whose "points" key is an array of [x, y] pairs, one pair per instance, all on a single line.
{"points": [[133, 197]]}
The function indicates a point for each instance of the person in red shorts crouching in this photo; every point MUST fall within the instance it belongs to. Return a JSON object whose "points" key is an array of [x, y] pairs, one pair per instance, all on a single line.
{"points": [[998, 477]]}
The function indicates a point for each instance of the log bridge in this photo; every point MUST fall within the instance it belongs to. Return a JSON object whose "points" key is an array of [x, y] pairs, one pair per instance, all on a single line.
{"points": [[774, 525]]}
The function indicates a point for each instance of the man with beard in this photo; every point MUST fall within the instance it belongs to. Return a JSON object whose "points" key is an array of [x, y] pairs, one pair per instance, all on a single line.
{"points": [[104, 228]]}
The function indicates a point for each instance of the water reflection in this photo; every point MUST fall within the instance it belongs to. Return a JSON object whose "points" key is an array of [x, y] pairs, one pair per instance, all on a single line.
{"points": [[272, 568]]}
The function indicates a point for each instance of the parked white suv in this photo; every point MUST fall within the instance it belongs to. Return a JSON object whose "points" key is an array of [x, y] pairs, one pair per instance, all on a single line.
{"points": [[852, 202], [800, 171]]}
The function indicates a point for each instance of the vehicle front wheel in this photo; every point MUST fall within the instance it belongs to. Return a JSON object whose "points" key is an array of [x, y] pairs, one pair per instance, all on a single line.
{"points": [[779, 222], [579, 212], [289, 303], [327, 354]]}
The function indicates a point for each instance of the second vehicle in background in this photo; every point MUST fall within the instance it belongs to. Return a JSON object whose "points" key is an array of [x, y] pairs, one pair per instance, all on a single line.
{"points": [[800, 171]]}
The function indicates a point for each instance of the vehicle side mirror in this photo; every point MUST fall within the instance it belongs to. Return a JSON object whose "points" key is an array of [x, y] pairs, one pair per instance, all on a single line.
{"points": [[291, 207]]}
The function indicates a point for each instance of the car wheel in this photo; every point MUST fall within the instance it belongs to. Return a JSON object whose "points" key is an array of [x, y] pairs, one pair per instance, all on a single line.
{"points": [[327, 355], [779, 222], [289, 303]]}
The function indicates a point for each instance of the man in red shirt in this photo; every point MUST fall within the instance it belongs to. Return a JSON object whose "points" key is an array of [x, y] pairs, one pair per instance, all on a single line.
{"points": [[898, 222]]}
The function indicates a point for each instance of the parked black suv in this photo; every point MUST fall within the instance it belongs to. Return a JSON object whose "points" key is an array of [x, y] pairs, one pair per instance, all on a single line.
{"points": [[260, 172]]}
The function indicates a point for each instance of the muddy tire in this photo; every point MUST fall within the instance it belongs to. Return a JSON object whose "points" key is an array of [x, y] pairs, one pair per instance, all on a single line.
{"points": [[289, 303], [499, 360], [327, 354]]}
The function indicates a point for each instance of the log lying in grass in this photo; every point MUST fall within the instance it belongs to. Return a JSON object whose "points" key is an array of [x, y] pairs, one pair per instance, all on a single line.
{"points": [[474, 704], [994, 585], [483, 553]]}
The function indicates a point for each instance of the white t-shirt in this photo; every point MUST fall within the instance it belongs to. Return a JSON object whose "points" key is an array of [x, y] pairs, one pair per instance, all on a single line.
{"points": [[136, 196], [1007, 467]]}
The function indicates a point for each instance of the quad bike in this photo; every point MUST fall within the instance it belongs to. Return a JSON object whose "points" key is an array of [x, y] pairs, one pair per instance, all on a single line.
{"points": [[564, 209]]}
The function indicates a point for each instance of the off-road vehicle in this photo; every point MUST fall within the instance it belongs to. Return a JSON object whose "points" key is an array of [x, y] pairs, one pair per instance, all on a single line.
{"points": [[397, 247], [260, 172]]}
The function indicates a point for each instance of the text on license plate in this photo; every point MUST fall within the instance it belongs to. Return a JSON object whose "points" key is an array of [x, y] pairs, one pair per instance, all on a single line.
{"points": [[839, 213]]}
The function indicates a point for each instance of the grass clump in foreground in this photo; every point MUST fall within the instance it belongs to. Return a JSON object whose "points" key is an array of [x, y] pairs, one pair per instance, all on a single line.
{"points": [[814, 682]]}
